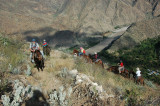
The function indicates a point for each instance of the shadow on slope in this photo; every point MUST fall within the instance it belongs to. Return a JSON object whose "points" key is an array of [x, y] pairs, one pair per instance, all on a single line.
{"points": [[38, 99], [65, 38]]}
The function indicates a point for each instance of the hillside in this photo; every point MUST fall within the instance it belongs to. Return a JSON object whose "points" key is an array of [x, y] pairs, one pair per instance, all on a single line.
{"points": [[81, 18], [136, 33], [67, 80], [146, 55]]}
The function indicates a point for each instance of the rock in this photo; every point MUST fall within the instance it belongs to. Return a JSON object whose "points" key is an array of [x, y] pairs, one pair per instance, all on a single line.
{"points": [[28, 71], [69, 91], [5, 100], [64, 72], [73, 73]]}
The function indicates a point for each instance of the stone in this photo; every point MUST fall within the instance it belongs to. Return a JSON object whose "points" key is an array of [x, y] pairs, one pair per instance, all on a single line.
{"points": [[28, 71], [5, 100], [73, 73], [69, 91]]}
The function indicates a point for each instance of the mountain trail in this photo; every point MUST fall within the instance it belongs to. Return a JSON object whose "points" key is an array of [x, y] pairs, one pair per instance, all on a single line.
{"points": [[107, 42]]}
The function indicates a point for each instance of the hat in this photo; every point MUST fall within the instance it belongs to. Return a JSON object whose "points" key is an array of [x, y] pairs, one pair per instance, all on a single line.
{"points": [[95, 52], [33, 40], [137, 68], [81, 48], [44, 40]]}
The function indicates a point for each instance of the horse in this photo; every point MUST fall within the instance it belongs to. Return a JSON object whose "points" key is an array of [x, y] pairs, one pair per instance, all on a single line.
{"points": [[87, 58], [46, 50], [39, 61], [140, 80], [133, 74], [126, 73], [76, 53], [100, 62], [97, 61], [113, 69]]}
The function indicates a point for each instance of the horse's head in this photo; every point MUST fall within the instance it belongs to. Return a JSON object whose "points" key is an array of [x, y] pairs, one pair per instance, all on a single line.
{"points": [[37, 54], [75, 51]]}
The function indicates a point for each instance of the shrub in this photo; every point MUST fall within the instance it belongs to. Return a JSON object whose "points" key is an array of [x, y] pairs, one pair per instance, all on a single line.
{"points": [[145, 55]]}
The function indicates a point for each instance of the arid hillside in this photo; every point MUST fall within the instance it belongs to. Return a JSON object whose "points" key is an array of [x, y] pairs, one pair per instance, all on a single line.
{"points": [[137, 33], [82, 16]]}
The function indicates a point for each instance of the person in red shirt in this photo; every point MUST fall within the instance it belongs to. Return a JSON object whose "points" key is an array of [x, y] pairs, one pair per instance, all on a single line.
{"points": [[121, 67]]}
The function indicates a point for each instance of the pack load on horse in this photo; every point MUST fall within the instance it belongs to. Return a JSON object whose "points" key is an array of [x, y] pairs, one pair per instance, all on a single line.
{"points": [[121, 66], [46, 48], [82, 51], [139, 78]]}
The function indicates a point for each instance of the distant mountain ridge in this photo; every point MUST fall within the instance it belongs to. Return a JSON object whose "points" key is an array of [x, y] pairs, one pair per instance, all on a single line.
{"points": [[84, 18], [85, 15], [137, 33]]}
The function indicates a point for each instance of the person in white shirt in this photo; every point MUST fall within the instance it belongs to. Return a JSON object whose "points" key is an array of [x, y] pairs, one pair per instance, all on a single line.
{"points": [[33, 46], [138, 73]]}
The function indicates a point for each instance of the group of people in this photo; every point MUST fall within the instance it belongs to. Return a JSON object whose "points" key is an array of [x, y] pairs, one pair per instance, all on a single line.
{"points": [[121, 68], [35, 46]]}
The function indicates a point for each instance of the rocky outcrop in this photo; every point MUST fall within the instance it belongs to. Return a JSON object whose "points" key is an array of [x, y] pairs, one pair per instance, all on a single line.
{"points": [[82, 91], [136, 33]]}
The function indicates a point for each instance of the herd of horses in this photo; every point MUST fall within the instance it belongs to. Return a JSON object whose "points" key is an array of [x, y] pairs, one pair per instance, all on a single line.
{"points": [[39, 63], [115, 69]]}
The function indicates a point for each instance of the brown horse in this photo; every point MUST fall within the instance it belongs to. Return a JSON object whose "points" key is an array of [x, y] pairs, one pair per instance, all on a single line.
{"points": [[126, 73], [39, 61], [84, 56], [46, 50], [99, 62], [76, 52], [140, 80], [96, 61], [133, 74], [113, 69]]}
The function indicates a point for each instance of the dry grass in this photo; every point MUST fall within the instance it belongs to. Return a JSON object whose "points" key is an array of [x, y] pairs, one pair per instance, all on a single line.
{"points": [[112, 84], [118, 85]]}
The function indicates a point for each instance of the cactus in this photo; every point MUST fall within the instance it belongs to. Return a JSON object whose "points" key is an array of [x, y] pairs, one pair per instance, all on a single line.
{"points": [[28, 71]]}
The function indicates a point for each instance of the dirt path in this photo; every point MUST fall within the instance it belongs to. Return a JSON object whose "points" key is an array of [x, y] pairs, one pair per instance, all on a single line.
{"points": [[107, 42]]}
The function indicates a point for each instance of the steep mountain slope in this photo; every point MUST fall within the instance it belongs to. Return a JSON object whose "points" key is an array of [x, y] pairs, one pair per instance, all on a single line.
{"points": [[137, 33], [93, 16], [81, 17], [88, 15]]}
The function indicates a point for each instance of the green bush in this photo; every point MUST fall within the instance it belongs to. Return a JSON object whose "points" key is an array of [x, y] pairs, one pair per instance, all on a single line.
{"points": [[10, 53], [146, 55]]}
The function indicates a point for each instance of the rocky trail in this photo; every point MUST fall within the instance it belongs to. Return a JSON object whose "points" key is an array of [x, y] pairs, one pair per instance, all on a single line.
{"points": [[61, 83], [107, 42], [51, 87]]}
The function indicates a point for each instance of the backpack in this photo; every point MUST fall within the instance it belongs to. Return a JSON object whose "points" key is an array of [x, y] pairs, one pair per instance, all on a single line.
{"points": [[84, 51], [34, 47]]}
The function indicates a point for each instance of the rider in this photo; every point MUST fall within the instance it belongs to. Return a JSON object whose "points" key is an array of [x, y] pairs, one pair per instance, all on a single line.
{"points": [[95, 56], [138, 73], [82, 52], [121, 66], [44, 43], [33, 46]]}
